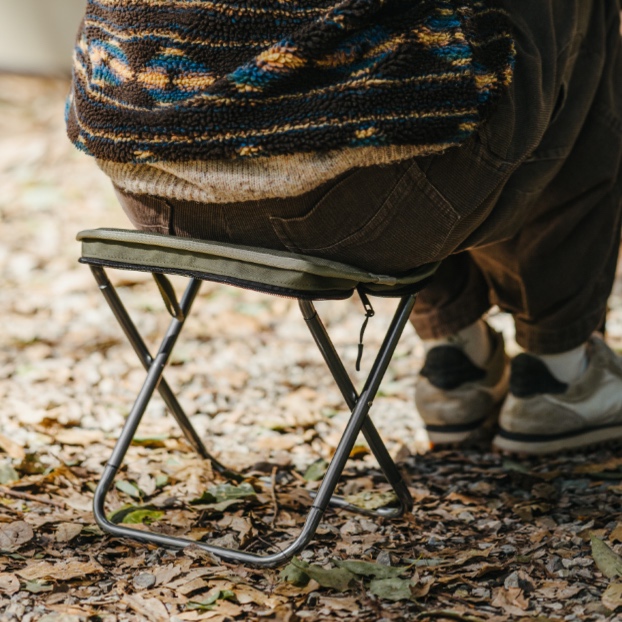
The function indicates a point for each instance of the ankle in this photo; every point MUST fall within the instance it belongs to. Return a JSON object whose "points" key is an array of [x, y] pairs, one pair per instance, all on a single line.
{"points": [[566, 366], [474, 341]]}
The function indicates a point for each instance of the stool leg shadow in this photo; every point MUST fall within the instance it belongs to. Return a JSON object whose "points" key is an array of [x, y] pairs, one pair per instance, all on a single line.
{"points": [[359, 421]]}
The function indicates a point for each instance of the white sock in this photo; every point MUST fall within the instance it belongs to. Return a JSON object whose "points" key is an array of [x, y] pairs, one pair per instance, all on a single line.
{"points": [[474, 340], [566, 366]]}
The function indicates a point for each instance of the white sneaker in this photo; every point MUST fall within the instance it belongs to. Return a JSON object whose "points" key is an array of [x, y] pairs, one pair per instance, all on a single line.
{"points": [[454, 397], [543, 415]]}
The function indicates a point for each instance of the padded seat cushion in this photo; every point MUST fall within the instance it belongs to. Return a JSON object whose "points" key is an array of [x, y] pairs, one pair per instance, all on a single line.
{"points": [[261, 269]]}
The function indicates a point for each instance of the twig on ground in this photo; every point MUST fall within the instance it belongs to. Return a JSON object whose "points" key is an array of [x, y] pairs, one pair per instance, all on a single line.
{"points": [[28, 497], [270, 545], [299, 477], [449, 615], [275, 503]]}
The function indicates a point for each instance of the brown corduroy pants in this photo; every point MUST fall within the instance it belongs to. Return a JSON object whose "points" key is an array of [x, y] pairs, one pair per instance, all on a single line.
{"points": [[526, 215]]}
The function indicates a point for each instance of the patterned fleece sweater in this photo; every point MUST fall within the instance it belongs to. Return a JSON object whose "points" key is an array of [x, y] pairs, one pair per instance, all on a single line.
{"points": [[226, 100]]}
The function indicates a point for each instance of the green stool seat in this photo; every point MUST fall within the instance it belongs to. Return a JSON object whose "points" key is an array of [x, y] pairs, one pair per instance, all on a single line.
{"points": [[264, 270]]}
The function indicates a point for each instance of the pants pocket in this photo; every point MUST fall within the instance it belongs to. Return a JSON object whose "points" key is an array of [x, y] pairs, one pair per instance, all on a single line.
{"points": [[386, 219]]}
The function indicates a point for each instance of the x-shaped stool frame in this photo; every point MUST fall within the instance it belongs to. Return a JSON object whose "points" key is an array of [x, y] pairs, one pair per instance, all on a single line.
{"points": [[359, 421]]}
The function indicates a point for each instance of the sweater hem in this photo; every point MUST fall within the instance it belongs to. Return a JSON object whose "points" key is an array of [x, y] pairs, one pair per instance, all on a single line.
{"points": [[235, 181]]}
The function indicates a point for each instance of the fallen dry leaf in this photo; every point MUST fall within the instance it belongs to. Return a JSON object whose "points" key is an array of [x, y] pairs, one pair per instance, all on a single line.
{"points": [[167, 573], [612, 596], [512, 601], [464, 499], [193, 586], [77, 436], [151, 608], [11, 448], [63, 571], [79, 502], [599, 467], [337, 603], [225, 610], [68, 613], [14, 535], [66, 532], [248, 594], [9, 583]]}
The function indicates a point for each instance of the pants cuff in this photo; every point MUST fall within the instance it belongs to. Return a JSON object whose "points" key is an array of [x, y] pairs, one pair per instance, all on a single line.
{"points": [[560, 339], [450, 319]]}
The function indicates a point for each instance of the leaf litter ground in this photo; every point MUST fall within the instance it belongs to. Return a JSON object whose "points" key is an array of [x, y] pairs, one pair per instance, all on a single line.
{"points": [[490, 538]]}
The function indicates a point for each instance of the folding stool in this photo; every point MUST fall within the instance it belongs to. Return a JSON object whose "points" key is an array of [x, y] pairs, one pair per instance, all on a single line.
{"points": [[272, 272]]}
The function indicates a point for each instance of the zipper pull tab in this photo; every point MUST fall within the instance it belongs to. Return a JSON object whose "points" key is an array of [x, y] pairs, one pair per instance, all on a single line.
{"points": [[369, 312]]}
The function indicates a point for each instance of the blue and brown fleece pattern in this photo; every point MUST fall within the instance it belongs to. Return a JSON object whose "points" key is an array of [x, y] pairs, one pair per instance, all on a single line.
{"points": [[180, 80]]}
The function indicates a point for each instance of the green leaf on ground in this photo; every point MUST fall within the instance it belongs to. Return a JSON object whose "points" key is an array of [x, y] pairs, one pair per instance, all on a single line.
{"points": [[161, 481], [431, 562], [222, 506], [224, 492], [372, 500], [150, 441], [607, 560], [129, 489], [371, 569], [338, 579], [91, 530], [36, 587], [391, 589], [143, 516], [7, 473], [205, 498], [511, 465], [299, 572], [316, 470], [294, 575], [31, 465], [210, 602], [121, 515]]}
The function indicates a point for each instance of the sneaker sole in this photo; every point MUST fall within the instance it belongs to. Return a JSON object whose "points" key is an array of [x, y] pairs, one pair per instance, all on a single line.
{"points": [[448, 439], [476, 431], [511, 442]]}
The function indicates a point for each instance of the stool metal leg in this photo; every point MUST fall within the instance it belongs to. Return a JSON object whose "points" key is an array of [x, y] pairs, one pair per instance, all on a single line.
{"points": [[377, 446], [154, 379], [131, 332]]}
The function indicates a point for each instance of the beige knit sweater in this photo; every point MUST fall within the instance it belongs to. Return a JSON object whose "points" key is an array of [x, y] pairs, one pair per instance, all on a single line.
{"points": [[229, 181]]}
